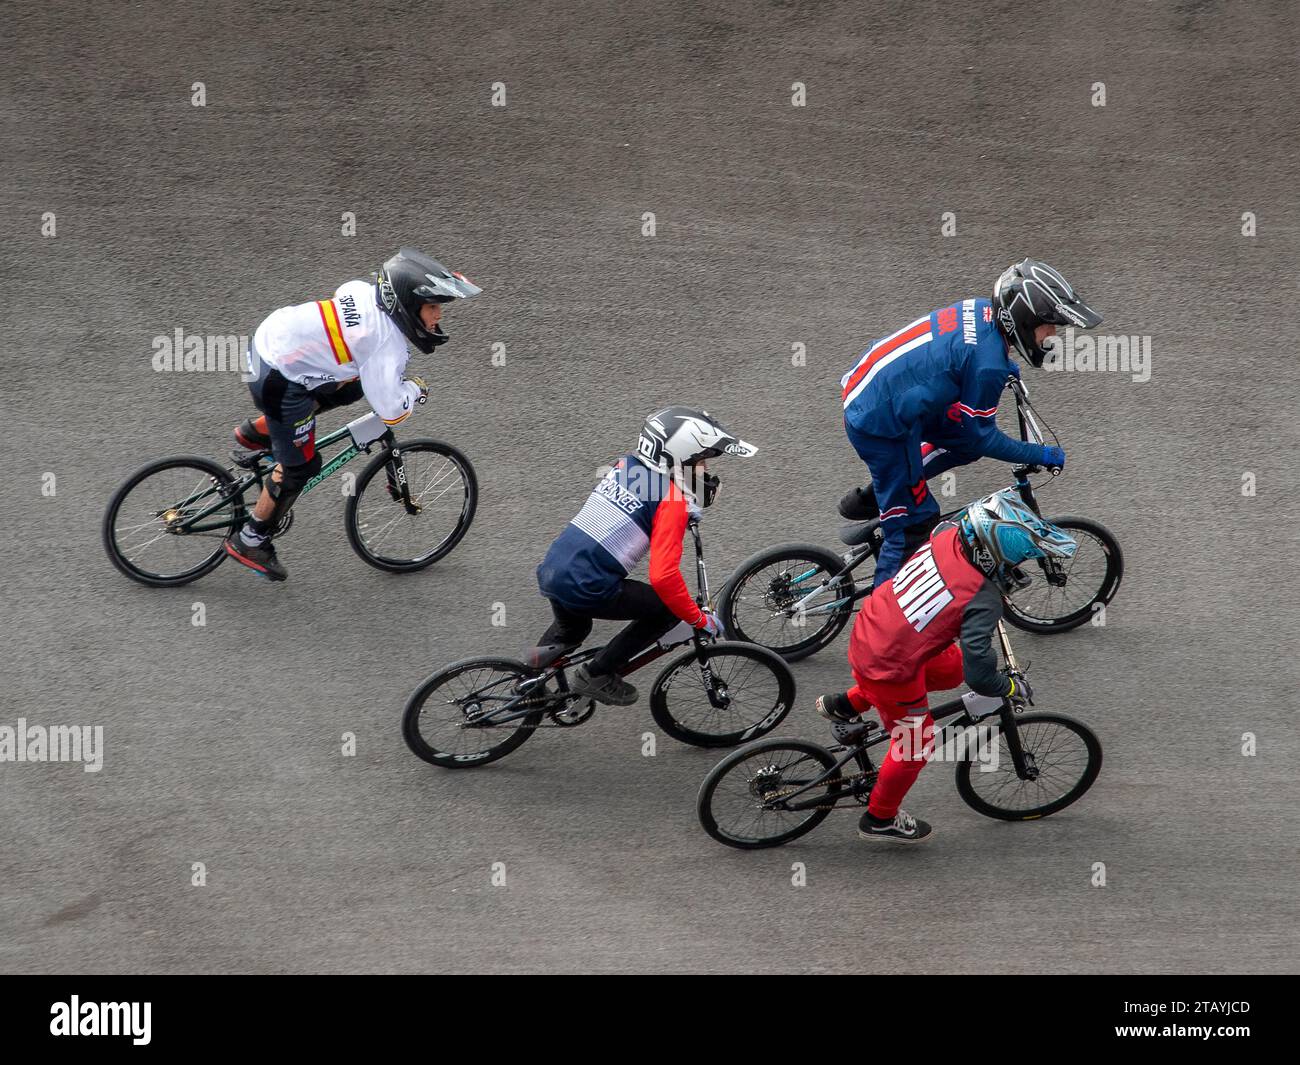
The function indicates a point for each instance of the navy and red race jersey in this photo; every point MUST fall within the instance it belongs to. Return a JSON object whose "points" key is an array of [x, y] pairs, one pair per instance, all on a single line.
{"points": [[634, 510], [937, 596], [948, 367]]}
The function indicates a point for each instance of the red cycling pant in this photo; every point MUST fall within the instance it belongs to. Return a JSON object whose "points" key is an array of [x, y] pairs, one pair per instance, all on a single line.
{"points": [[905, 711]]}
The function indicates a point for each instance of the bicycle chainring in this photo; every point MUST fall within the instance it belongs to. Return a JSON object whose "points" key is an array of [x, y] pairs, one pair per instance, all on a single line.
{"points": [[574, 714]]}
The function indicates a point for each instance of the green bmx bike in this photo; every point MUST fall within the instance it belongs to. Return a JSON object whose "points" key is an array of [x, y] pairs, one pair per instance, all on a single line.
{"points": [[410, 506]]}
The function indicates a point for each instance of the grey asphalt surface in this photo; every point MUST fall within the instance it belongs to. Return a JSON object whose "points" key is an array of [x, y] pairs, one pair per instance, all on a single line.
{"points": [[776, 225]]}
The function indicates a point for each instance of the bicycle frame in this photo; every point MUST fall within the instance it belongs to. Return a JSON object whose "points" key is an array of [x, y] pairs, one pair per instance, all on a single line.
{"points": [[966, 710], [263, 466]]}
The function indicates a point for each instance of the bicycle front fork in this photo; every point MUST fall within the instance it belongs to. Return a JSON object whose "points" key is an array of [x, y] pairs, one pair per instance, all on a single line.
{"points": [[398, 487]]}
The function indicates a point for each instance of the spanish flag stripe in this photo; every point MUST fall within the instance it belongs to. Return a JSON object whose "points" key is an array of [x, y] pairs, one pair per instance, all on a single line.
{"points": [[330, 317], [394, 421]]}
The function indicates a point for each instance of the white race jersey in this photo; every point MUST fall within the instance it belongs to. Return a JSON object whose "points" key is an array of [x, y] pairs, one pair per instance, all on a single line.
{"points": [[342, 339]]}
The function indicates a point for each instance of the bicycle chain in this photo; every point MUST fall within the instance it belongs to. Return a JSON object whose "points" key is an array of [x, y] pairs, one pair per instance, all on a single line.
{"points": [[834, 780]]}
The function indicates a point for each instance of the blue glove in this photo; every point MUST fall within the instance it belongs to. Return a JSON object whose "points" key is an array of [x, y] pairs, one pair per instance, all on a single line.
{"points": [[1053, 457]]}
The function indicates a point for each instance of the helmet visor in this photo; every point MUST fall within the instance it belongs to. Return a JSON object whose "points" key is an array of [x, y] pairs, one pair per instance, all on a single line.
{"points": [[1072, 312], [737, 448], [435, 289]]}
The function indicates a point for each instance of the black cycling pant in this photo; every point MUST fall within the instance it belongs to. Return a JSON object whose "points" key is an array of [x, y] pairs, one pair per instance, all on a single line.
{"points": [[635, 600], [290, 410]]}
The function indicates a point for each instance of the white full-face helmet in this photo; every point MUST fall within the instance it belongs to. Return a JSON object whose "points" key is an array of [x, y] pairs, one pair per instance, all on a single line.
{"points": [[675, 439]]}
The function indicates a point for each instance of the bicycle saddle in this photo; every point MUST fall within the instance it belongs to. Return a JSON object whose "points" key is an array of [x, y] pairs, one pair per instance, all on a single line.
{"points": [[548, 654], [850, 733], [859, 532], [244, 458]]}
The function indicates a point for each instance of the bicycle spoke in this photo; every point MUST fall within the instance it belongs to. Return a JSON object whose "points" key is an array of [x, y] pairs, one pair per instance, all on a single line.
{"points": [[752, 692], [1060, 756], [437, 485], [156, 547], [738, 802], [773, 605], [444, 718]]}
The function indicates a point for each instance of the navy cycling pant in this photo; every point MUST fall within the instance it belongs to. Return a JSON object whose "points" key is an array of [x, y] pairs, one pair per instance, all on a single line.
{"points": [[899, 469]]}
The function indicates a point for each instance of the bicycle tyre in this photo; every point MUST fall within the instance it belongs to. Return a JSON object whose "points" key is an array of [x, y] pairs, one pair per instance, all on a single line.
{"points": [[758, 722], [469, 504], [822, 560], [1091, 745], [515, 732], [1112, 574], [705, 801], [204, 468]]}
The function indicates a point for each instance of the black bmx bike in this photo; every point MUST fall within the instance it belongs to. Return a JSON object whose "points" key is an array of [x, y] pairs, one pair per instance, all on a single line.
{"points": [[410, 505], [1010, 765], [796, 598], [716, 693]]}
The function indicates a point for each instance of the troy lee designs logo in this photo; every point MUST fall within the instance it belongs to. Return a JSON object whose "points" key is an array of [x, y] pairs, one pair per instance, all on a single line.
{"points": [[920, 589]]}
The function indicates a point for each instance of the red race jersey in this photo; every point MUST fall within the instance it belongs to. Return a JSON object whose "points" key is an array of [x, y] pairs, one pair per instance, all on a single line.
{"points": [[910, 619]]}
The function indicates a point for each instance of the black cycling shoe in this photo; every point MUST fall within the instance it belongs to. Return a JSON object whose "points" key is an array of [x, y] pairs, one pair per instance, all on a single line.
{"points": [[260, 558], [860, 504], [902, 829], [607, 688], [836, 707]]}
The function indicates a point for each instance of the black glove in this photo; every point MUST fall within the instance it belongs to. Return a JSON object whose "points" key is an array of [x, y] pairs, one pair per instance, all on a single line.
{"points": [[1020, 693]]}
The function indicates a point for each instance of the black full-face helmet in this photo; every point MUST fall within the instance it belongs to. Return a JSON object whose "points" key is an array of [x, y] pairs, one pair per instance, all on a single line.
{"points": [[1030, 294], [411, 279]]}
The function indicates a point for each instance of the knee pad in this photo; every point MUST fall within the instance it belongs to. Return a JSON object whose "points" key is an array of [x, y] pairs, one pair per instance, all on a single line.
{"points": [[292, 481], [294, 478]]}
